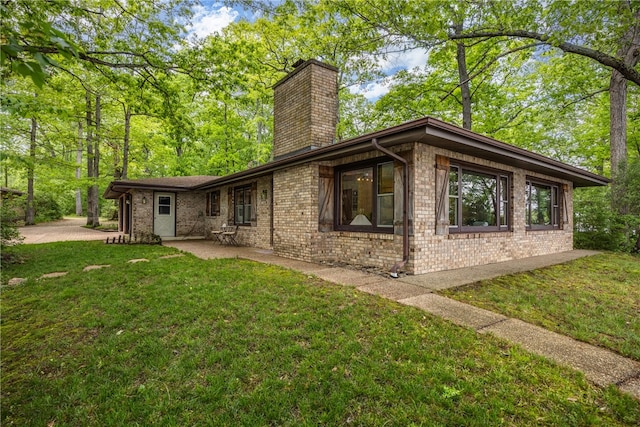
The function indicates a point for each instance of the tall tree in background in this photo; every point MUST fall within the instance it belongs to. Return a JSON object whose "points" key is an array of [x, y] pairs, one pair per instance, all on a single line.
{"points": [[605, 32]]}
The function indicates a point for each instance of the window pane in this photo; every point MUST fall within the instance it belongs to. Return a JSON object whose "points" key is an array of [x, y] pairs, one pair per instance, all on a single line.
{"points": [[453, 197], [556, 206], [385, 210], [453, 212], [385, 178], [356, 189], [540, 204], [164, 205], [453, 182], [479, 204], [504, 201], [239, 214]]}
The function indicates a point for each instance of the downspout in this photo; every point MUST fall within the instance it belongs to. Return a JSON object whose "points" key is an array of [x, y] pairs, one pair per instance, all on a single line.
{"points": [[405, 201]]}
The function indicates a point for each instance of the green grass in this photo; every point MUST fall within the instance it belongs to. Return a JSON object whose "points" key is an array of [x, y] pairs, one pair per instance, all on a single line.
{"points": [[594, 299], [183, 341]]}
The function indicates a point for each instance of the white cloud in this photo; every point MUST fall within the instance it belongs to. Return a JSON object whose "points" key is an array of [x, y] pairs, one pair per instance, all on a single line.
{"points": [[371, 91], [390, 65], [407, 60], [207, 21]]}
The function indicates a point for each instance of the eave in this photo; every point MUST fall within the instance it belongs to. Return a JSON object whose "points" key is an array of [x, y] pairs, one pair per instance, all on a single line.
{"points": [[435, 133]]}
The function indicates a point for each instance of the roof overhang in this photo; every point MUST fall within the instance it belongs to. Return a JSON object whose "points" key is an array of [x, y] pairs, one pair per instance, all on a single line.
{"points": [[170, 184], [432, 132], [444, 135], [426, 130]]}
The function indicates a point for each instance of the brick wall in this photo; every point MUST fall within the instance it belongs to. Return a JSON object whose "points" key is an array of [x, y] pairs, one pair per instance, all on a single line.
{"points": [[433, 252], [305, 108], [258, 233], [295, 212], [297, 234], [141, 214], [190, 214]]}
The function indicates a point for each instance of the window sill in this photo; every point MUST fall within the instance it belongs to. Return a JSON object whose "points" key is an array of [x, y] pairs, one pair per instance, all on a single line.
{"points": [[478, 235], [365, 235]]}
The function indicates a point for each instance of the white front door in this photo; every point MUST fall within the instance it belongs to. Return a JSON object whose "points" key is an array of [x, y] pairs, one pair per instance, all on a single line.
{"points": [[164, 214]]}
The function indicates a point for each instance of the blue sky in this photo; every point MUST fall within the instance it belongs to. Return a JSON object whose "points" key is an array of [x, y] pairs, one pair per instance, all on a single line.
{"points": [[212, 16]]}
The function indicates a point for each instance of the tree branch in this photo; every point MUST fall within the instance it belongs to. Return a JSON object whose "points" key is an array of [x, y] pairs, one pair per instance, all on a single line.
{"points": [[489, 64], [583, 98], [626, 70]]}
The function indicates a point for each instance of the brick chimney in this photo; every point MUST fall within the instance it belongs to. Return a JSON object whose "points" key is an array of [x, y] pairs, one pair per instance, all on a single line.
{"points": [[305, 109]]}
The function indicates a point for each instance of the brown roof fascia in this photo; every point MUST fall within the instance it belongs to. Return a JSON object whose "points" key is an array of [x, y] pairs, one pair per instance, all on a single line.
{"points": [[521, 157], [430, 131], [406, 132]]}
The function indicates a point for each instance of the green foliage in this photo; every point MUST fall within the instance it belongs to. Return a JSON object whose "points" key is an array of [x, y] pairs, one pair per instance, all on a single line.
{"points": [[598, 226], [11, 212], [46, 208]]}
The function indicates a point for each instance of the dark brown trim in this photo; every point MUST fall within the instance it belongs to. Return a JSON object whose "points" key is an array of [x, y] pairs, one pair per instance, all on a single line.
{"points": [[497, 173], [373, 228]]}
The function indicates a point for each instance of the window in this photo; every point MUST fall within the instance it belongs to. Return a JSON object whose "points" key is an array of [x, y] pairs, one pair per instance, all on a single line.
{"points": [[478, 200], [366, 198], [213, 205], [242, 205], [164, 205], [542, 205]]}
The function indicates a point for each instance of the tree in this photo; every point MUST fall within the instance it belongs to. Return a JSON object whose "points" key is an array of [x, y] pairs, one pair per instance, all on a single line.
{"points": [[600, 26]]}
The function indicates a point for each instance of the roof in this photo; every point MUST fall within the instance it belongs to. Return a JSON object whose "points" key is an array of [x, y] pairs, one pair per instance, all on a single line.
{"points": [[173, 183], [433, 132], [426, 130]]}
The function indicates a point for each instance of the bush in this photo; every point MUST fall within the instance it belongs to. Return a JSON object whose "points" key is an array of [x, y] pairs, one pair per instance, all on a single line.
{"points": [[10, 212], [46, 208], [598, 226]]}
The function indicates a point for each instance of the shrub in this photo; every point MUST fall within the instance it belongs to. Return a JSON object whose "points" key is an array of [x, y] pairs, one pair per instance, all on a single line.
{"points": [[598, 226], [46, 208], [10, 212]]}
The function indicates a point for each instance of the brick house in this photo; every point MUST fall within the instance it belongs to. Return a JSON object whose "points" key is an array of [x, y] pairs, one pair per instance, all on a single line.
{"points": [[422, 196]]}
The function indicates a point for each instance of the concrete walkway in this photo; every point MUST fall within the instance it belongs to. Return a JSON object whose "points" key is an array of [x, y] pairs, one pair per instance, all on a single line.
{"points": [[603, 367]]}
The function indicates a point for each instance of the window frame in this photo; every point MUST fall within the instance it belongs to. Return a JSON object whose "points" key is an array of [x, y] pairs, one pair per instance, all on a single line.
{"points": [[246, 190], [503, 199], [555, 204], [375, 197]]}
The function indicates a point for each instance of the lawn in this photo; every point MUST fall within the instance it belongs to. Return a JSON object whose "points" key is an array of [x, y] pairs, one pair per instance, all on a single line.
{"points": [[182, 341], [594, 299]]}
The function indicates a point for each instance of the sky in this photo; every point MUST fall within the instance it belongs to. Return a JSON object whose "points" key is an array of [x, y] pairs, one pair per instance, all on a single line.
{"points": [[212, 16]]}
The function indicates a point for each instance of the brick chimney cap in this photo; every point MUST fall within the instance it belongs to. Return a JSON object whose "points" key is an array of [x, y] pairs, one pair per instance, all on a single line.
{"points": [[303, 65]]}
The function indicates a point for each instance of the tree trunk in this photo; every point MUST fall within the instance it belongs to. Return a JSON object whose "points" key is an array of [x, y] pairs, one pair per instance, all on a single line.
{"points": [[463, 73], [79, 169], [465, 91], [30, 211], [92, 160], [630, 54], [125, 149], [96, 165], [618, 117]]}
